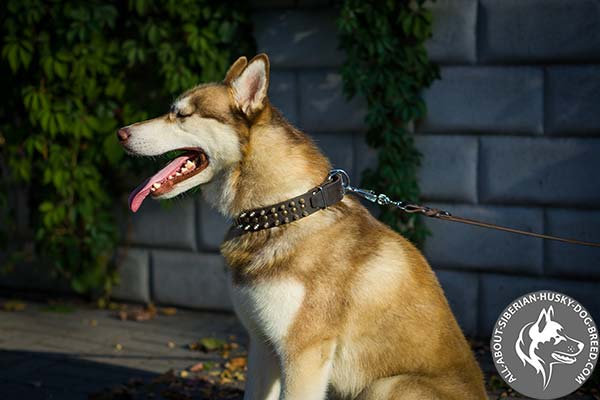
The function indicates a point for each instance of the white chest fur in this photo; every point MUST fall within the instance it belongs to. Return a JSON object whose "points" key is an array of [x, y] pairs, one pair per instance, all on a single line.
{"points": [[268, 309]]}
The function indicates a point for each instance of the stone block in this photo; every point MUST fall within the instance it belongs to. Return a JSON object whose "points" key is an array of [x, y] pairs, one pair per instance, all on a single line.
{"points": [[283, 94], [448, 169], [212, 226], [134, 271], [187, 279], [169, 225], [454, 37], [323, 105], [540, 171], [458, 246], [497, 291], [366, 157], [539, 30], [566, 260], [572, 95], [338, 147], [298, 38], [462, 289], [485, 100]]}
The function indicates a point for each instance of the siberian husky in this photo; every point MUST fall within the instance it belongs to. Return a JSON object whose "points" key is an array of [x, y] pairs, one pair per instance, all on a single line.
{"points": [[337, 304]]}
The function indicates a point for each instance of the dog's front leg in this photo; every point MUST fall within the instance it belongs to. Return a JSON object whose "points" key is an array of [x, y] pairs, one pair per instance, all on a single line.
{"points": [[306, 372], [264, 376]]}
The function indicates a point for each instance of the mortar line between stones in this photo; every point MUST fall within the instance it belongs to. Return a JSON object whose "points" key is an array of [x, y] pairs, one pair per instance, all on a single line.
{"points": [[478, 170]]}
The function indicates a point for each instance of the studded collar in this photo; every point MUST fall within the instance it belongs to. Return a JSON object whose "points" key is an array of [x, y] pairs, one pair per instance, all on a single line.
{"points": [[318, 198]]}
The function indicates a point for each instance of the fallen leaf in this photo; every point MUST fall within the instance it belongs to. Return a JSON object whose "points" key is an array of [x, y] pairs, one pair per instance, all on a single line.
{"points": [[184, 374], [13, 305], [197, 367], [167, 311], [208, 344], [137, 314], [171, 345], [118, 347], [237, 363]]}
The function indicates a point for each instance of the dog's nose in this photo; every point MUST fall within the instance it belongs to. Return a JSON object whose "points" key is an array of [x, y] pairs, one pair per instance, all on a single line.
{"points": [[123, 134]]}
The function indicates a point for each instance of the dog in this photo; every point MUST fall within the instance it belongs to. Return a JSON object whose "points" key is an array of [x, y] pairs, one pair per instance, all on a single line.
{"points": [[542, 344], [337, 305]]}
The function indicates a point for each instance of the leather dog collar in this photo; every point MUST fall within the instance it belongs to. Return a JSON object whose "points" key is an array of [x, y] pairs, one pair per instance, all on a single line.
{"points": [[318, 198]]}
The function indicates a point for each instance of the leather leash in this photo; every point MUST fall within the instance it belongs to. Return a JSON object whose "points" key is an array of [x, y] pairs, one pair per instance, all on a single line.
{"points": [[382, 199], [333, 191]]}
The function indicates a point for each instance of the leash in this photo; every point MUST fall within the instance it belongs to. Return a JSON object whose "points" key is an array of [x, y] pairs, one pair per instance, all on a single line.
{"points": [[383, 200]]}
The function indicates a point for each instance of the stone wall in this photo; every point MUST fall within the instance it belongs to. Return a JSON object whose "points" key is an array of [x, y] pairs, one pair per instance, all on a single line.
{"points": [[512, 138]]}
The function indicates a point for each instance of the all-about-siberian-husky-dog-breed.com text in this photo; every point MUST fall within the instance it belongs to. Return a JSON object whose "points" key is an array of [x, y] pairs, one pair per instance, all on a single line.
{"points": [[337, 305]]}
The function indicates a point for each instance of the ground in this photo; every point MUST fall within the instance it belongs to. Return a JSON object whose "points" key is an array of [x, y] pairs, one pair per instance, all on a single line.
{"points": [[70, 350]]}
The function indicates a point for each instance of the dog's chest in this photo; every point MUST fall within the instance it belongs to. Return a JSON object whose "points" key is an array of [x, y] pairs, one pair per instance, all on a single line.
{"points": [[268, 309]]}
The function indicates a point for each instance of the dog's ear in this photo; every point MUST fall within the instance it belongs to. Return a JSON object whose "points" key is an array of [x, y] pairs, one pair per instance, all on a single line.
{"points": [[544, 318], [250, 87], [235, 70]]}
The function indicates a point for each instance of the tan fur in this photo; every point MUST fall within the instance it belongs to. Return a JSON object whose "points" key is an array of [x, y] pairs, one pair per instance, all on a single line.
{"points": [[338, 303]]}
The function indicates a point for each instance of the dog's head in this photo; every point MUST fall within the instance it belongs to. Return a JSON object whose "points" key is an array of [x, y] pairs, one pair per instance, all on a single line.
{"points": [[208, 124], [544, 343]]}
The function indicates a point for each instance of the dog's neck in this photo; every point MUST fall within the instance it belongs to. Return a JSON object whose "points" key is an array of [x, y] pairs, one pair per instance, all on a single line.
{"points": [[278, 162]]}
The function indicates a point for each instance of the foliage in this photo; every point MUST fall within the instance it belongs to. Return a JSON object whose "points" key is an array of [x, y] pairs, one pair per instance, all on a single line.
{"points": [[72, 73], [387, 65]]}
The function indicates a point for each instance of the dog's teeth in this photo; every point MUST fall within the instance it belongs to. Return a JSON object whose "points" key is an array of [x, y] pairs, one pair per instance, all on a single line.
{"points": [[156, 185], [189, 164], [177, 174], [171, 177], [184, 169], [153, 189]]}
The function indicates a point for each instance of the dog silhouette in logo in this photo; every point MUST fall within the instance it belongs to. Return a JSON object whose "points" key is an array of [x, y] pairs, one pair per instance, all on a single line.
{"points": [[543, 343]]}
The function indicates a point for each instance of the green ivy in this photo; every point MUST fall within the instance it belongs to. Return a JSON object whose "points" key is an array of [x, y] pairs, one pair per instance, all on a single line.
{"points": [[72, 72], [387, 64]]}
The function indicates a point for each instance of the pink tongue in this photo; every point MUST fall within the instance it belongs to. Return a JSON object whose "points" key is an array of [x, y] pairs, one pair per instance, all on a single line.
{"points": [[142, 191]]}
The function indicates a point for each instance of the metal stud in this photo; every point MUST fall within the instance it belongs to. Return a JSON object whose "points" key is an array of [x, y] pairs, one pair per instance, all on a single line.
{"points": [[284, 212], [275, 215], [304, 214], [242, 215], [255, 220], [282, 207], [265, 218], [302, 206], [246, 220], [286, 220], [295, 217], [276, 223], [253, 213], [266, 225], [292, 203], [262, 212], [301, 201], [273, 210], [256, 227], [294, 209], [246, 227]]}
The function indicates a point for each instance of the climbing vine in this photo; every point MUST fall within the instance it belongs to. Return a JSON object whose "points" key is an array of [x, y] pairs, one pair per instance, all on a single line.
{"points": [[72, 72], [388, 66]]}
